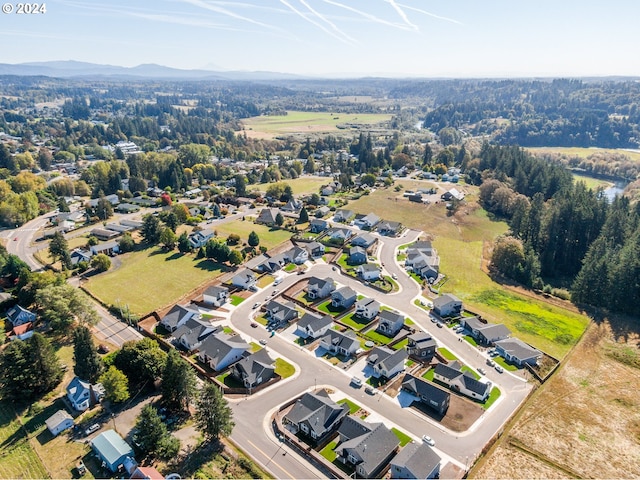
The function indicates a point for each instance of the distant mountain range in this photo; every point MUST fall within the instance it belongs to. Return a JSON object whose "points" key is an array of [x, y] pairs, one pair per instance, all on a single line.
{"points": [[73, 69]]}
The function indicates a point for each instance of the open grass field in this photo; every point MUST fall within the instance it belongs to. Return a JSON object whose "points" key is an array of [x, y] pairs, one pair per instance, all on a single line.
{"points": [[591, 182], [459, 241], [17, 458], [584, 421], [301, 186], [583, 152], [150, 279], [307, 122], [269, 237]]}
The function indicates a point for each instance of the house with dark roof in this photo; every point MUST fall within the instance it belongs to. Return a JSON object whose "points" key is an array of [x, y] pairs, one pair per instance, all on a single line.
{"points": [[447, 304], [177, 317], [344, 297], [390, 323], [297, 255], [110, 248], [313, 326], [221, 350], [462, 382], [364, 240], [367, 308], [246, 280], [215, 295], [340, 343], [80, 255], [386, 362], [254, 369], [319, 287], [368, 447], [83, 395], [200, 238], [315, 415], [112, 449], [19, 316], [104, 234], [483, 332], [516, 351], [368, 221], [357, 256], [339, 235], [280, 313], [192, 333], [432, 396], [274, 263], [315, 249], [343, 215], [292, 206], [389, 228], [317, 226], [267, 216], [421, 345], [416, 460]]}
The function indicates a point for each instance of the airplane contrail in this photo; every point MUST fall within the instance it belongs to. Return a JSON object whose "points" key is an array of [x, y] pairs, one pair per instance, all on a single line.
{"points": [[229, 13], [439, 17], [402, 14], [327, 21], [368, 16], [320, 26]]}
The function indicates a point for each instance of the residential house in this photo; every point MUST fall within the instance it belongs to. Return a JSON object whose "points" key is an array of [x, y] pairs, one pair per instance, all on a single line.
{"points": [[338, 235], [454, 193], [357, 256], [59, 422], [292, 206], [107, 248], [447, 305], [463, 382], [280, 313], [112, 449], [340, 343], [220, 350], [297, 255], [246, 280], [368, 447], [104, 234], [127, 208], [389, 228], [322, 211], [317, 226], [343, 215], [315, 249], [19, 316], [254, 369], [364, 240], [390, 323], [344, 297], [367, 222], [367, 308], [386, 362], [516, 351], [319, 287], [485, 333], [368, 272], [112, 199], [177, 316], [416, 460], [432, 396], [273, 264], [200, 238], [315, 415], [421, 345], [313, 326], [146, 473], [83, 395], [192, 333], [116, 227], [78, 255], [215, 295], [415, 197], [268, 216], [330, 189], [21, 332]]}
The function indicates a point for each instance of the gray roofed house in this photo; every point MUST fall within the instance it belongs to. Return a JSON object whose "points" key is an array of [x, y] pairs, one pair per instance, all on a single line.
{"points": [[386, 362], [59, 422], [79, 255], [273, 264], [313, 326], [447, 304], [267, 216], [367, 308], [342, 343], [463, 382], [177, 316], [200, 238], [111, 449], [293, 206], [342, 215], [317, 225], [422, 345], [254, 369], [297, 255], [215, 295], [344, 297], [280, 313], [357, 256], [427, 392], [108, 248], [192, 333], [221, 350], [339, 234], [364, 240], [516, 351], [118, 227], [83, 394], [388, 227], [319, 287], [485, 333], [104, 234], [390, 323], [246, 279], [315, 414], [315, 249], [19, 316], [416, 460], [369, 452], [368, 221], [112, 199]]}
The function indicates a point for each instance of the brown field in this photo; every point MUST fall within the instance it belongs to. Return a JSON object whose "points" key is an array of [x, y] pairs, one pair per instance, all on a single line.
{"points": [[585, 421]]}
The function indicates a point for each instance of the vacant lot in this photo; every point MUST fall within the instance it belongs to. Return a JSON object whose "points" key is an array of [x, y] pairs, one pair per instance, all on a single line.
{"points": [[299, 186], [150, 279], [308, 122], [584, 422], [459, 240], [17, 458], [583, 152], [269, 237]]}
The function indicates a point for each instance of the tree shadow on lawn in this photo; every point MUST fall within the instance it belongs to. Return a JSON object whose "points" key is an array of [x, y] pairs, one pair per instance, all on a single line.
{"points": [[187, 465], [210, 266], [174, 256]]}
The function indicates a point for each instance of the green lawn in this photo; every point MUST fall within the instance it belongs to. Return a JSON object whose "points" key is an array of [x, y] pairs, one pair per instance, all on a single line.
{"points": [[475, 374], [401, 344], [403, 437], [265, 281], [354, 321], [328, 453], [327, 308], [447, 354], [353, 407], [429, 374], [151, 279], [493, 396], [284, 369], [507, 366], [377, 337], [269, 237], [290, 268], [471, 340], [236, 300]]}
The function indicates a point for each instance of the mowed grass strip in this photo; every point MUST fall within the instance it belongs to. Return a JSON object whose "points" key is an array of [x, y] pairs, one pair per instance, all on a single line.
{"points": [[151, 279], [17, 457]]}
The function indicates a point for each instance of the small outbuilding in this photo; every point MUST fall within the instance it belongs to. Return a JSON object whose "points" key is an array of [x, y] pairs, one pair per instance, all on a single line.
{"points": [[59, 422]]}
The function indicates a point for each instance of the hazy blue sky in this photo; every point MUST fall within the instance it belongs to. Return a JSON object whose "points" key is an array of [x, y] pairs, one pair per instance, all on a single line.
{"points": [[457, 38]]}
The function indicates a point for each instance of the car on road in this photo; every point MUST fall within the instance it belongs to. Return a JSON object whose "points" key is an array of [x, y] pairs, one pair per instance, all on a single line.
{"points": [[370, 390], [439, 324], [482, 371], [275, 292], [394, 276], [434, 319], [459, 329], [357, 382], [254, 325], [263, 341], [490, 362], [256, 305], [499, 369], [428, 440], [93, 428]]}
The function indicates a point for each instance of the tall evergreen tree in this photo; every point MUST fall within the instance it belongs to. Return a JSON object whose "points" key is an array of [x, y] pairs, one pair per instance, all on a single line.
{"points": [[59, 249], [178, 382], [213, 417], [253, 239], [88, 364]]}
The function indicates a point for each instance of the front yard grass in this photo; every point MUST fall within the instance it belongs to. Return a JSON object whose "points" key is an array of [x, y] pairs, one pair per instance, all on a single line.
{"points": [[290, 268], [236, 300], [353, 407], [377, 337], [401, 344], [447, 354], [493, 396], [329, 309], [265, 281], [355, 322], [403, 437], [284, 368], [512, 367], [429, 374], [150, 279], [328, 453]]}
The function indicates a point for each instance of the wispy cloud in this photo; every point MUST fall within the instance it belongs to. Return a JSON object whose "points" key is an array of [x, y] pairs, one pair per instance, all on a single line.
{"points": [[402, 14], [368, 16], [335, 32], [219, 7], [424, 12]]}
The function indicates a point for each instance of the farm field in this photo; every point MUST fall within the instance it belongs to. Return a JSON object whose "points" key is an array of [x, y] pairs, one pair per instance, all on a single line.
{"points": [[584, 422], [460, 240], [583, 152], [150, 279], [307, 122]]}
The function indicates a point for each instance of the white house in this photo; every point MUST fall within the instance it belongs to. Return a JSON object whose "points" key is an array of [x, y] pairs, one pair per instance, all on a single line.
{"points": [[346, 343], [386, 362], [59, 422], [200, 238], [215, 295], [177, 316], [82, 394], [312, 326], [193, 332], [368, 272], [447, 304], [462, 382], [245, 280], [319, 287], [221, 350], [367, 308]]}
